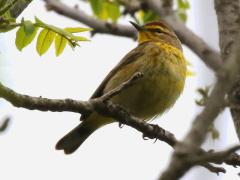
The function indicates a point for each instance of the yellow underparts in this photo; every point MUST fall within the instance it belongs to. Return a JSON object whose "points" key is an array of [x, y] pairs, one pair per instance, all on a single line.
{"points": [[164, 70], [145, 37]]}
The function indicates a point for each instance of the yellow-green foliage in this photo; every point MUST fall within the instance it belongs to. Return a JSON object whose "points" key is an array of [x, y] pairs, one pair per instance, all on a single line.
{"points": [[61, 37], [106, 9]]}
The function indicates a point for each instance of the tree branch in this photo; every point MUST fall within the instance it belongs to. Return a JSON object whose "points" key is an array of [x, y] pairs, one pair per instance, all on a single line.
{"points": [[215, 157], [234, 105], [104, 107], [100, 105], [209, 56], [214, 105], [98, 25], [228, 20], [214, 169], [60, 105], [227, 72]]}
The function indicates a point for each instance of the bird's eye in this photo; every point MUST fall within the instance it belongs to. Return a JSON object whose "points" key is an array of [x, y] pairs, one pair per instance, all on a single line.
{"points": [[158, 31]]}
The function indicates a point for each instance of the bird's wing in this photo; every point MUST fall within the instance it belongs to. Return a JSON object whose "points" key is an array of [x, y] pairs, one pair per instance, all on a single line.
{"points": [[130, 57]]}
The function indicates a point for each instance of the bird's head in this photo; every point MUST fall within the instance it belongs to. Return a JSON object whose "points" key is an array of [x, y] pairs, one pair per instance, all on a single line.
{"points": [[157, 31]]}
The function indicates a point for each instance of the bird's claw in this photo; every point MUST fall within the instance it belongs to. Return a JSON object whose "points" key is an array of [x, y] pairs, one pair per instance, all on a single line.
{"points": [[145, 137], [120, 125]]}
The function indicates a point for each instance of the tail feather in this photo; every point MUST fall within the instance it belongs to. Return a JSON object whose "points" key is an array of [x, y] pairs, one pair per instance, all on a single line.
{"points": [[70, 142]]}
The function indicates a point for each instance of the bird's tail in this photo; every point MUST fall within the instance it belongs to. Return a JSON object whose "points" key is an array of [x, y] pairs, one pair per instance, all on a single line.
{"points": [[71, 141]]}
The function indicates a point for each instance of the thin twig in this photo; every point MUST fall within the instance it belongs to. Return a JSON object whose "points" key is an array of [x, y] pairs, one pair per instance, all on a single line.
{"points": [[215, 157]]}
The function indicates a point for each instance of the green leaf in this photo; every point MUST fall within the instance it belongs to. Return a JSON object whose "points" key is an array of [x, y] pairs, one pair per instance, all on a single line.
{"points": [[77, 29], [80, 38], [113, 10], [5, 28], [60, 44], [51, 27], [23, 39], [103, 15], [97, 6], [7, 6], [28, 27], [183, 4], [150, 16], [58, 30], [2, 3], [44, 41], [182, 15]]}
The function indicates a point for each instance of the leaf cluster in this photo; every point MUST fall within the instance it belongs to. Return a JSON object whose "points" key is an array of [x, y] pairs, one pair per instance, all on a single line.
{"points": [[48, 34], [12, 8], [110, 10], [144, 16], [5, 7], [106, 9], [27, 31], [183, 6]]}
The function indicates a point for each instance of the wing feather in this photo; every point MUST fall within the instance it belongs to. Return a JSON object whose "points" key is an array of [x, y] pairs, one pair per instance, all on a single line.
{"points": [[129, 58]]}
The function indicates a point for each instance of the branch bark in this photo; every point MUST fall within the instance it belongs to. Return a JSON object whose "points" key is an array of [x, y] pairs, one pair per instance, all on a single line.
{"points": [[227, 72], [234, 104], [98, 25], [209, 56], [229, 25], [103, 106], [214, 105]]}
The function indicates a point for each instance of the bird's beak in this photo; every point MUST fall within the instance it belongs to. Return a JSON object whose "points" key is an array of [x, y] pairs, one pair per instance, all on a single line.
{"points": [[138, 27]]}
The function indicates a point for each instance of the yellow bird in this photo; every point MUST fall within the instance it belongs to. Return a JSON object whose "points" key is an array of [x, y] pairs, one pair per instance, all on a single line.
{"points": [[160, 59]]}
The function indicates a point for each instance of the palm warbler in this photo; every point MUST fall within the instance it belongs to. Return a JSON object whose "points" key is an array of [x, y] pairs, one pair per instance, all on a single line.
{"points": [[159, 57]]}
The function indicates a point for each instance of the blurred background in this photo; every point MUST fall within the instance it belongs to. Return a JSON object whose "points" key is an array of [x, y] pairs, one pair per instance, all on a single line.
{"points": [[27, 147]]}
